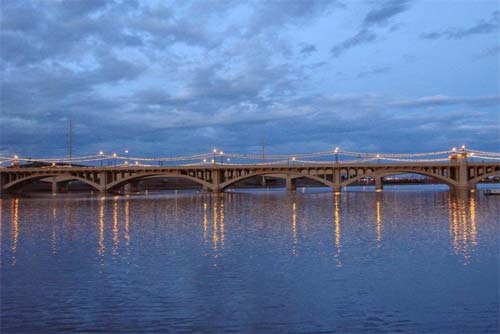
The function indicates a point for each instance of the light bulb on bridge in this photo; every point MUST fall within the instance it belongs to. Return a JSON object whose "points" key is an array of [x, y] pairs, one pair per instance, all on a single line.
{"points": [[215, 150], [16, 157], [126, 151], [293, 158], [101, 153], [336, 150], [114, 155], [221, 153]]}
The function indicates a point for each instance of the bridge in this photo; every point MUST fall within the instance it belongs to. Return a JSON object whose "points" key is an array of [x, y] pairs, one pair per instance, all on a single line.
{"points": [[215, 172]]}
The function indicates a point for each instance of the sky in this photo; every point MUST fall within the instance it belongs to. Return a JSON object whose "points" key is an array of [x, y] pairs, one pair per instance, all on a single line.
{"points": [[164, 78]]}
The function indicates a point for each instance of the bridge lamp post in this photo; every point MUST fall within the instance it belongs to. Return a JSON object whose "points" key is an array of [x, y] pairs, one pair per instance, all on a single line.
{"points": [[221, 154], [114, 156], [126, 154], [137, 163], [336, 155], [228, 159], [215, 152], [293, 159], [378, 158], [101, 154], [204, 161]]}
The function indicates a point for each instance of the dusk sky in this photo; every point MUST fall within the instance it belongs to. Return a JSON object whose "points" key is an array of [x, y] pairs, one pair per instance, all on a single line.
{"points": [[168, 78]]}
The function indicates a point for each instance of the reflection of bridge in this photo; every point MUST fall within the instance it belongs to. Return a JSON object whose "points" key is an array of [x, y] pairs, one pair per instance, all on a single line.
{"points": [[456, 173]]}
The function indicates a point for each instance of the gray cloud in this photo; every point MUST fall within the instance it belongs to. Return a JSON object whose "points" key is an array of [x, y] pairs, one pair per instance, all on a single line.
{"points": [[379, 15], [384, 11], [162, 79], [308, 49], [482, 27], [364, 36], [374, 71]]}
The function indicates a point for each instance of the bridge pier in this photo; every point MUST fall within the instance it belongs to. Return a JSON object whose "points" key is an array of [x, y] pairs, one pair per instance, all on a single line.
{"points": [[336, 188], [54, 186], [378, 183], [263, 181], [290, 183], [127, 188], [102, 182], [216, 181]]}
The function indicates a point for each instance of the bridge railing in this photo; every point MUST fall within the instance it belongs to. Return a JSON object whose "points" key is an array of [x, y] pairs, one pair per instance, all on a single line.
{"points": [[219, 157]]}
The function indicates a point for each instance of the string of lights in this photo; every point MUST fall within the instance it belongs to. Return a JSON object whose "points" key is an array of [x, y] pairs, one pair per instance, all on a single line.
{"points": [[233, 158]]}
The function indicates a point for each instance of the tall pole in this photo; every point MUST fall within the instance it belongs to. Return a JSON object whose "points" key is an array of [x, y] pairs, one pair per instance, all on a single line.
{"points": [[70, 141]]}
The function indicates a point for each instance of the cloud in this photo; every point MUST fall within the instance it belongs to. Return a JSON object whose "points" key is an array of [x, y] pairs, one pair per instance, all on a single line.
{"points": [[364, 36], [374, 71], [280, 13], [379, 15], [384, 11], [443, 100], [163, 79], [482, 27], [494, 51], [307, 49]]}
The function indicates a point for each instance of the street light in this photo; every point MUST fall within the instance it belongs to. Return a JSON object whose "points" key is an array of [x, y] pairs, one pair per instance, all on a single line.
{"points": [[378, 158], [114, 156], [221, 154], [336, 154], [101, 154], [215, 152], [126, 153]]}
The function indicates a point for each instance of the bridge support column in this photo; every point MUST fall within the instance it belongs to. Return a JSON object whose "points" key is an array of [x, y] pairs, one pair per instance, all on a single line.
{"points": [[216, 181], [263, 181], [337, 187], [54, 186], [463, 175], [378, 183], [127, 188], [290, 183], [102, 182]]}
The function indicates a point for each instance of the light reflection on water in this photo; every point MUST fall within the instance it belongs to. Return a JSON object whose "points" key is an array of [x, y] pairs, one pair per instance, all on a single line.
{"points": [[251, 262]]}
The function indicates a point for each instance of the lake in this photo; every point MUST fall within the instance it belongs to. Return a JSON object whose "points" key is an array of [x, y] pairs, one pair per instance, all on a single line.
{"points": [[413, 259]]}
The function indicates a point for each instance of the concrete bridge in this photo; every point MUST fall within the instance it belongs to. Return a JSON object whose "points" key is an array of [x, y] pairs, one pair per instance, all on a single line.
{"points": [[456, 173]]}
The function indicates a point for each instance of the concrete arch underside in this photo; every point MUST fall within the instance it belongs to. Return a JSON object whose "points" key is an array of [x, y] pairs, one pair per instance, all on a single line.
{"points": [[479, 178], [19, 183], [278, 174], [138, 177], [449, 182]]}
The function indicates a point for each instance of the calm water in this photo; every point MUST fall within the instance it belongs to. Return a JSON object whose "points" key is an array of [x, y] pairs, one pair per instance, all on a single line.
{"points": [[415, 260]]}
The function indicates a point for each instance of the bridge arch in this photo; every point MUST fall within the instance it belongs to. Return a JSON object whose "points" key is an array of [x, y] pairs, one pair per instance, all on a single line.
{"points": [[479, 178], [449, 182], [139, 176], [37, 177], [294, 175]]}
